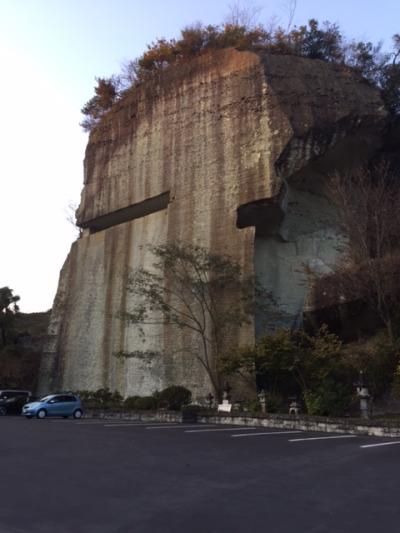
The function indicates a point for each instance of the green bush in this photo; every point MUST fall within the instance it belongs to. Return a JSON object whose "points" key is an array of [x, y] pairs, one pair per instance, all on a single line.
{"points": [[396, 383], [329, 399], [130, 402], [273, 403], [101, 399], [253, 406], [379, 364], [171, 398], [146, 403], [84, 395], [174, 397], [107, 399]]}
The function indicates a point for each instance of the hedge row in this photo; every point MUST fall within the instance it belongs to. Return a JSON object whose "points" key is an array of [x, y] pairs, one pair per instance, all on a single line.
{"points": [[172, 398]]}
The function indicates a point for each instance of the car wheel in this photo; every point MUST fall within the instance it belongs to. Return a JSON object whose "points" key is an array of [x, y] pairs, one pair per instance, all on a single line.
{"points": [[77, 414], [41, 413], [3, 411]]}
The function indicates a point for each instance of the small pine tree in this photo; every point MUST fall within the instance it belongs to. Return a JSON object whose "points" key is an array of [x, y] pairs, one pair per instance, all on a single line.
{"points": [[106, 93]]}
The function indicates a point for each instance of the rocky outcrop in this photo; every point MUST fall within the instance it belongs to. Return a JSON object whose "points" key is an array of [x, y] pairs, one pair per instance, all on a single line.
{"points": [[230, 152]]}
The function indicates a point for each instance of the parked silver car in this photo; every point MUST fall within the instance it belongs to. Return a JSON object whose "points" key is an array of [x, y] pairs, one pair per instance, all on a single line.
{"points": [[64, 405]]}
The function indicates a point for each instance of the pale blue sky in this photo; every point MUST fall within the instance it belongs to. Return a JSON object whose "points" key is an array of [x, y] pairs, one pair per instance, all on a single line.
{"points": [[50, 52]]}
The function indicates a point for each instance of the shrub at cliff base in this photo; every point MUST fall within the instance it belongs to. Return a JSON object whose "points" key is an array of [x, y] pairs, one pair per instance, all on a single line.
{"points": [[396, 383], [252, 406], [274, 403], [378, 358], [101, 399], [130, 402], [146, 403], [318, 369], [174, 397], [330, 399], [288, 363]]}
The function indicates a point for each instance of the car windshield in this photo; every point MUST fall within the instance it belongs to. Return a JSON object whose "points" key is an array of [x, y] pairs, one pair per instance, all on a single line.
{"points": [[45, 399]]}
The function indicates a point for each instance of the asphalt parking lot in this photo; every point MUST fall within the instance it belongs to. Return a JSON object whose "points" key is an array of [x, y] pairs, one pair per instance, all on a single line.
{"points": [[65, 476]]}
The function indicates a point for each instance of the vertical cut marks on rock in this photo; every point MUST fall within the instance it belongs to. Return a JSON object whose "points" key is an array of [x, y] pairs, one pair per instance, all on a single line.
{"points": [[228, 129]]}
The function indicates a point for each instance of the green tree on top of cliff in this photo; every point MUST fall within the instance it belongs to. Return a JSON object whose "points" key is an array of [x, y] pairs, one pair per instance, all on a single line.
{"points": [[191, 289], [241, 30], [106, 93]]}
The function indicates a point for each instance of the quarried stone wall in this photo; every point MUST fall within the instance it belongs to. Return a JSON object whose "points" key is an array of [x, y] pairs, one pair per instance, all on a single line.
{"points": [[225, 131]]}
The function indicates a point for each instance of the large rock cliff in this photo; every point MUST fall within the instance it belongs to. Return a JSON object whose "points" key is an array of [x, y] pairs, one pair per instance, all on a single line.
{"points": [[230, 152]]}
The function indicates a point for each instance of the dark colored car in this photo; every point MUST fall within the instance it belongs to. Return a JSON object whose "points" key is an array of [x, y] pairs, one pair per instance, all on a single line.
{"points": [[64, 405], [12, 401]]}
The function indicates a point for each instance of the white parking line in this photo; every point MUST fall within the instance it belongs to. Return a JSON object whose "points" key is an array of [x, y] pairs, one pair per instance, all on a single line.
{"points": [[127, 424], [380, 444], [94, 422], [269, 433], [110, 422], [99, 423], [225, 429], [178, 426], [324, 438]]}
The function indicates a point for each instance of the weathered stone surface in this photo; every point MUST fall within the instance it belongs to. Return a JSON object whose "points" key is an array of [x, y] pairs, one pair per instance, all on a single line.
{"points": [[307, 240], [229, 129]]}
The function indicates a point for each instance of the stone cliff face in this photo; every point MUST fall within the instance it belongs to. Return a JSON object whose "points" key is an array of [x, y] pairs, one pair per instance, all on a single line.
{"points": [[230, 152]]}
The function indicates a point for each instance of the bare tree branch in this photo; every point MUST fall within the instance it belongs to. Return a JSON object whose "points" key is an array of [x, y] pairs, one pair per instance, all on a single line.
{"points": [[243, 15], [368, 202], [290, 7], [192, 289]]}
